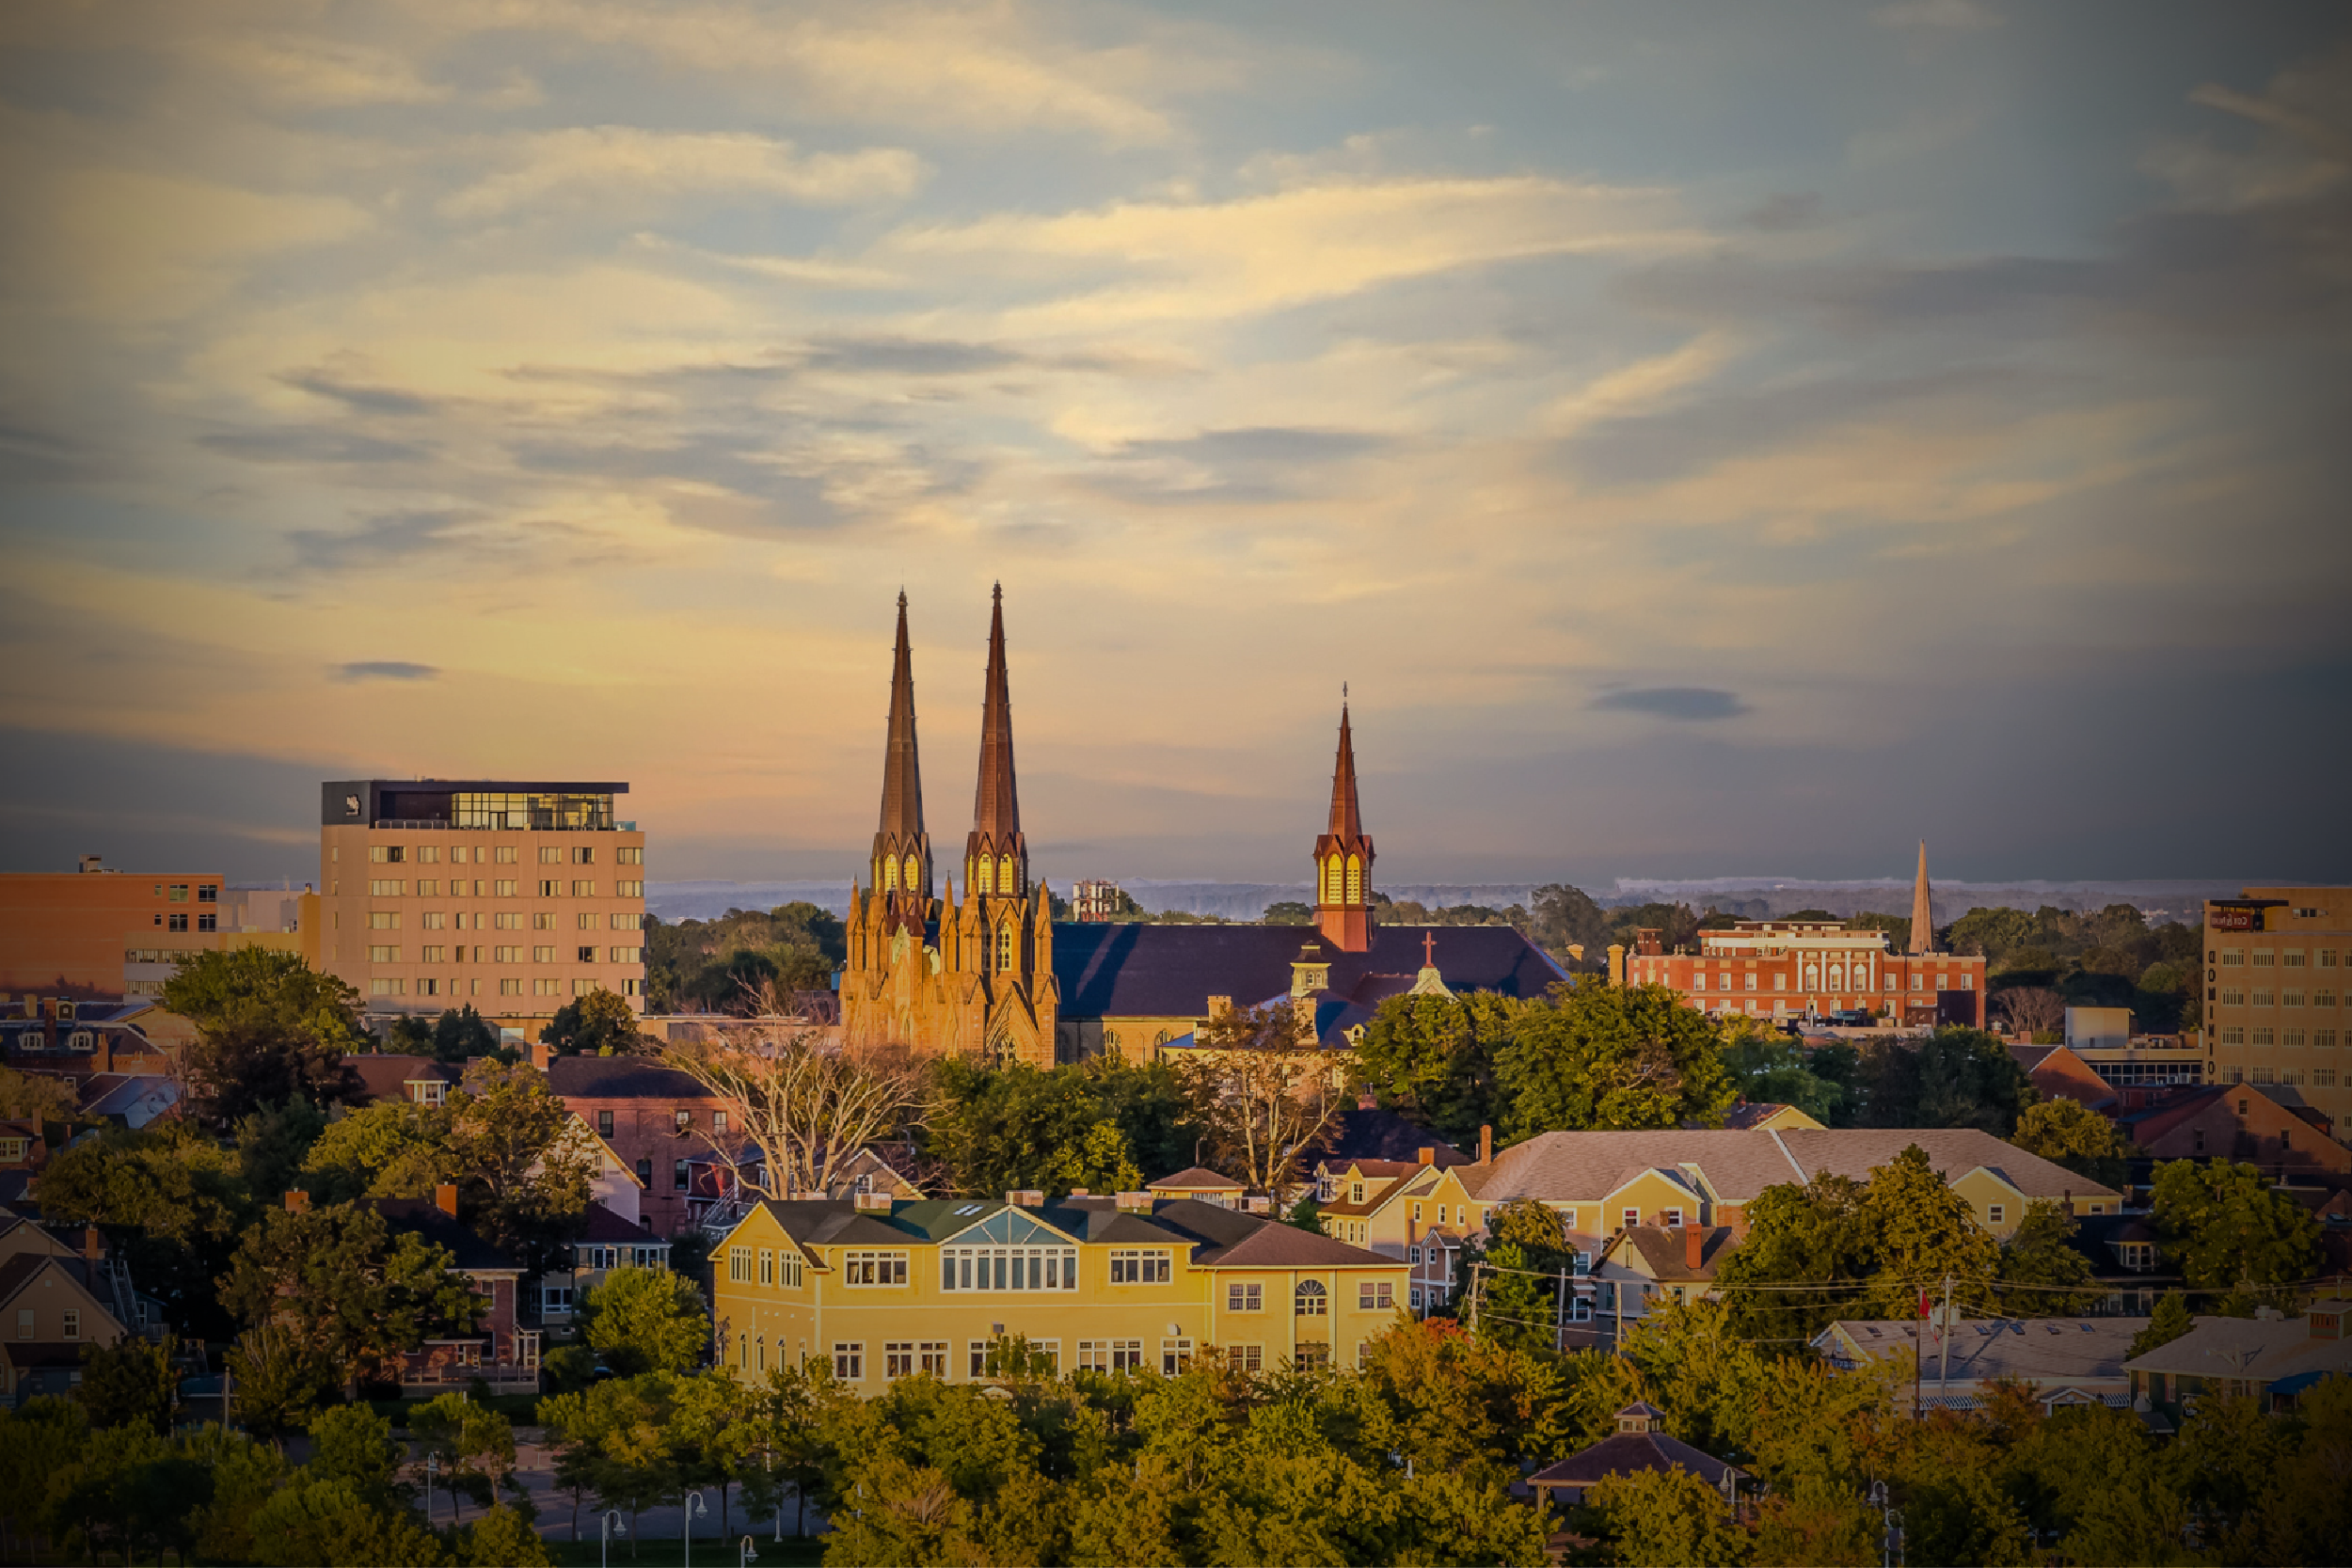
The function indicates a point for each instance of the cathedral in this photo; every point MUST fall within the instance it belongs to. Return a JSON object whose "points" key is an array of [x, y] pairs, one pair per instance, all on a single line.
{"points": [[993, 976]]}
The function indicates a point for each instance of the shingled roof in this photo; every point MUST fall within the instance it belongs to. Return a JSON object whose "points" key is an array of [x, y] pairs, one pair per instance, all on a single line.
{"points": [[1141, 971], [621, 1077]]}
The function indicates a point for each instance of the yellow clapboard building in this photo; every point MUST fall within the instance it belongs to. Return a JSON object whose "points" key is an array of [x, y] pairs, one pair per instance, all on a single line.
{"points": [[885, 1289]]}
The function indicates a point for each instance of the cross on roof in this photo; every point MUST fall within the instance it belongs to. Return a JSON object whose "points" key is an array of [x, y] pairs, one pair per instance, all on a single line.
{"points": [[1428, 950]]}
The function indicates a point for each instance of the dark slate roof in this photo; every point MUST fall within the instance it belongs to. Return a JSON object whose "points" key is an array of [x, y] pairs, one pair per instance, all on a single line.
{"points": [[1369, 1132], [422, 1217], [1133, 970], [1626, 1454], [19, 1269], [608, 1228], [386, 1074], [823, 1222], [1242, 1240], [1195, 1179], [622, 1077], [1221, 1237], [1667, 1252]]}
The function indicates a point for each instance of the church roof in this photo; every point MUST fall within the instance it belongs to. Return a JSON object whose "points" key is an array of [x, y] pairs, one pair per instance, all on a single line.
{"points": [[1139, 970], [995, 803], [1347, 819], [902, 767]]}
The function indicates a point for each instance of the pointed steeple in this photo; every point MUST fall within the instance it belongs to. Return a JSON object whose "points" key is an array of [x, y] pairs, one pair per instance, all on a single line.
{"points": [[1343, 855], [996, 858], [902, 850], [1922, 909]]}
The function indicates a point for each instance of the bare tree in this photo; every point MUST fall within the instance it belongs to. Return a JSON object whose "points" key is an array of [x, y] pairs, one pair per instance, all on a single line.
{"points": [[2033, 1010], [807, 1104], [1266, 1088]]}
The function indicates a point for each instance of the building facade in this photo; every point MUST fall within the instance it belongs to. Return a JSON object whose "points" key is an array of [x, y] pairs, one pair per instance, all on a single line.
{"points": [[1783, 971], [512, 899], [884, 1290], [103, 935], [2278, 978]]}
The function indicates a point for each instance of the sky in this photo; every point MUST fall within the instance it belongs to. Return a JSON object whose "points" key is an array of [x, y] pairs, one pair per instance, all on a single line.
{"points": [[1706, 440]]}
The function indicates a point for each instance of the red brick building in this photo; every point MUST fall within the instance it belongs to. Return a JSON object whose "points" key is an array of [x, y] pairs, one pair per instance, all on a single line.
{"points": [[658, 1119], [2242, 1122]]}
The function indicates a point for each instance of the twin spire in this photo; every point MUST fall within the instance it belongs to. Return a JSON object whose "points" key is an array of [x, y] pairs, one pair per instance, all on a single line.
{"points": [[997, 858]]}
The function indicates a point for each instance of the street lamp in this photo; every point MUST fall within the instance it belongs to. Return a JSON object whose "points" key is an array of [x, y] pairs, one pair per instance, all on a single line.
{"points": [[613, 1526], [744, 1555], [694, 1505], [432, 1468]]}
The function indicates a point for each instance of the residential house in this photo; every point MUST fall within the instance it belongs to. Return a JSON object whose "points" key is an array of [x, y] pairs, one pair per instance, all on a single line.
{"points": [[2126, 1254], [723, 1184], [886, 1289], [608, 1242], [1199, 1183], [1371, 1132], [2262, 1125], [2058, 1073], [1418, 1210], [657, 1118], [389, 1075], [2269, 1357], [1766, 1115], [504, 1348], [1637, 1446], [1644, 1266], [2062, 1361], [52, 1304]]}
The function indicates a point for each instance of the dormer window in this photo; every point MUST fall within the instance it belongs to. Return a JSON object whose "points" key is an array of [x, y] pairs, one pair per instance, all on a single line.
{"points": [[1355, 1192]]}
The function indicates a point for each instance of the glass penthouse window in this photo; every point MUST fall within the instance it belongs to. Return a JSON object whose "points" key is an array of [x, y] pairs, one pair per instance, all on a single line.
{"points": [[543, 812], [1008, 1268]]}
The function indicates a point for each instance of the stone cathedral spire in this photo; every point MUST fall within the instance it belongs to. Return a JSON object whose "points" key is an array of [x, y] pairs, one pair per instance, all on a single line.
{"points": [[901, 862], [1344, 857], [1922, 908], [995, 855]]}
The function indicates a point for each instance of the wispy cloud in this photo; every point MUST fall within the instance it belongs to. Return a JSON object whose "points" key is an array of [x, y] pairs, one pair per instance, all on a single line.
{"points": [[386, 669], [1695, 704], [609, 164]]}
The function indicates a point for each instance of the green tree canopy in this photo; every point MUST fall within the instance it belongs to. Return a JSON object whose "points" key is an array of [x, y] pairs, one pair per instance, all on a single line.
{"points": [[1438, 1058], [2069, 1133], [1924, 1234], [1612, 1056], [173, 1200], [646, 1320], [1816, 1237], [2168, 1321], [522, 1170], [268, 1028], [33, 1097], [1953, 1078], [131, 1382], [597, 1023], [2043, 1273], [272, 1143], [1287, 912], [393, 1149], [1662, 1519], [1105, 1125], [347, 1289], [2226, 1228], [1771, 1068]]}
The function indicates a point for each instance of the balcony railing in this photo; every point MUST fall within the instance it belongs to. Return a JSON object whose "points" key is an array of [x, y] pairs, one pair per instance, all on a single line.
{"points": [[539, 823]]}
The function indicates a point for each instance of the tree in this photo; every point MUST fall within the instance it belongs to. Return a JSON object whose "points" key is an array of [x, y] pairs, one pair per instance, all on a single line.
{"points": [[502, 1538], [1990, 931], [2226, 1228], [393, 1148], [522, 1173], [474, 1443], [1102, 1125], [2168, 1323], [647, 1320], [33, 1096], [1267, 1090], [2041, 1272], [277, 1380], [1924, 1234], [130, 1384], [352, 1443], [1612, 1056], [347, 1290], [169, 1199], [1664, 1518], [1438, 1058], [2032, 1012], [1815, 1237], [1516, 1306], [272, 1143], [1770, 1068], [1952, 1078], [268, 1029], [460, 1034], [315, 1522], [598, 1024], [1564, 917], [806, 1107], [2069, 1133], [1289, 912]]}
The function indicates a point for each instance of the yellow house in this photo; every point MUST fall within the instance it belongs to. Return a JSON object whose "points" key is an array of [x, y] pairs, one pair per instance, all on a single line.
{"points": [[885, 1289]]}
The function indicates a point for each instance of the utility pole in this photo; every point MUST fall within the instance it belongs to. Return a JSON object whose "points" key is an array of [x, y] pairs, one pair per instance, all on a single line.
{"points": [[1944, 1378], [1559, 1318], [1918, 1355], [1478, 1274]]}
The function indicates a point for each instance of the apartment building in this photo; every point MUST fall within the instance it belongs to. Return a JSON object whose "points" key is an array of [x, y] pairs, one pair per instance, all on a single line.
{"points": [[2278, 978], [510, 897], [1790, 968], [101, 934], [883, 1288]]}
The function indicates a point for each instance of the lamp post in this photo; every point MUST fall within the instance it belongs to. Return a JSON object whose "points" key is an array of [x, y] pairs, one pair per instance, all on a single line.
{"points": [[612, 1526], [744, 1555], [694, 1505], [432, 1468]]}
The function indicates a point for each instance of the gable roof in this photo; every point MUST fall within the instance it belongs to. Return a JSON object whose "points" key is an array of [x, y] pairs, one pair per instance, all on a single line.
{"points": [[607, 1228], [621, 1077], [1195, 1179], [1135, 970], [1590, 1165], [2262, 1350], [1372, 1132], [1629, 1453], [25, 1267], [2046, 1351], [1667, 1254], [388, 1074], [1853, 1151], [422, 1217]]}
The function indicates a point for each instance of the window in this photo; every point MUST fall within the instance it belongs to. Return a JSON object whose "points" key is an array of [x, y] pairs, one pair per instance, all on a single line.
{"points": [[506, 854], [23, 1322], [628, 890], [739, 1265], [585, 955], [629, 922], [1631, 1217], [551, 855], [2261, 1075], [208, 921], [505, 888], [1670, 1218], [178, 923], [2291, 1037], [434, 921], [2291, 960], [432, 956], [2322, 999], [507, 955], [1995, 1214], [2234, 958], [767, 1267], [1374, 1296], [543, 954], [1130, 1266], [1013, 1268], [623, 955], [2323, 1078], [899, 1358], [1310, 1301], [2264, 1036], [630, 855], [386, 988], [73, 1322], [583, 889], [2326, 957], [508, 988], [1355, 1192], [377, 955], [507, 920], [604, 1124], [873, 1268], [1245, 1358], [680, 1180], [547, 988], [789, 1271], [2265, 999], [384, 888], [682, 1122], [718, 1122], [1175, 1356], [1244, 1298], [1110, 1355], [383, 920], [849, 1363], [2290, 999], [931, 1357], [1413, 1256]]}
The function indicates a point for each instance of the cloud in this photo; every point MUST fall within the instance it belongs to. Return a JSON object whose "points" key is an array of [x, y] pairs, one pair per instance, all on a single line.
{"points": [[393, 536], [386, 669], [361, 398], [611, 163], [1696, 702], [1951, 16], [1784, 211], [1254, 465], [317, 74], [309, 443]]}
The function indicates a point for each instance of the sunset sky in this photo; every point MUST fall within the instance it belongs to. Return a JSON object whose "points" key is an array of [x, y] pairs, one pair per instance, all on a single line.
{"points": [[1708, 439]]}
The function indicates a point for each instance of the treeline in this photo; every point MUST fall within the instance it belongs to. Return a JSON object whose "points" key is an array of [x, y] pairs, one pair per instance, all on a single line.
{"points": [[2110, 959], [716, 965]]}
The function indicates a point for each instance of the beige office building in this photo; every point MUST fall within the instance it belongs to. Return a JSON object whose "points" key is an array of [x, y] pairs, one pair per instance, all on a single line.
{"points": [[512, 899], [2277, 962]]}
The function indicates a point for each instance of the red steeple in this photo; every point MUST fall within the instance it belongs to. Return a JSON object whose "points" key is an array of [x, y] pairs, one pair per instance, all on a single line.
{"points": [[901, 860], [995, 837], [1344, 857]]}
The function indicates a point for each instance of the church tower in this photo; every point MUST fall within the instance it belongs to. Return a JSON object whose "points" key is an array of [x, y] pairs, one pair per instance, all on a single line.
{"points": [[1344, 858], [1922, 908], [901, 862], [995, 855]]}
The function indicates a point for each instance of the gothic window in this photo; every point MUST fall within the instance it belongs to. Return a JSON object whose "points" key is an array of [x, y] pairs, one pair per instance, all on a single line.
{"points": [[1004, 875], [987, 875], [1355, 880], [890, 875], [912, 880], [1006, 937]]}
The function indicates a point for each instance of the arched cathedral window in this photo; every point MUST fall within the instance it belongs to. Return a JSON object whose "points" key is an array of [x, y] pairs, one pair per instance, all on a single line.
{"points": [[1355, 880]]}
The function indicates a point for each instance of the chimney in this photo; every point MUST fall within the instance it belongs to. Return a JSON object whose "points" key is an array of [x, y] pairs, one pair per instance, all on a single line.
{"points": [[445, 1199], [1024, 1197], [1081, 1191], [1135, 1202], [1616, 963], [1486, 1145], [1367, 1101], [1693, 1243], [872, 1202], [1428, 1156], [93, 1244], [297, 1202]]}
